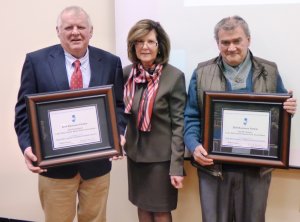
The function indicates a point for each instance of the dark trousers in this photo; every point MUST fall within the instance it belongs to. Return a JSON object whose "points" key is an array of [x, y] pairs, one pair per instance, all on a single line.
{"points": [[241, 196]]}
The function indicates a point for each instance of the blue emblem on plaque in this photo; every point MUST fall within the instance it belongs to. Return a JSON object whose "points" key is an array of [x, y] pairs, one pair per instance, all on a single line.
{"points": [[73, 118], [245, 121]]}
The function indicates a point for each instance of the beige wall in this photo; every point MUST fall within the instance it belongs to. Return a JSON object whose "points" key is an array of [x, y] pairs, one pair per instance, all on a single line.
{"points": [[30, 25]]}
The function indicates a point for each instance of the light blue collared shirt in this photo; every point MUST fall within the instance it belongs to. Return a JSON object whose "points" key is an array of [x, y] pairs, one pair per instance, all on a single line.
{"points": [[85, 67]]}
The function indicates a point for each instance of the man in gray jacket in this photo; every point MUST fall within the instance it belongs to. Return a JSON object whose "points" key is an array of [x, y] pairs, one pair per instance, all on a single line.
{"points": [[230, 192]]}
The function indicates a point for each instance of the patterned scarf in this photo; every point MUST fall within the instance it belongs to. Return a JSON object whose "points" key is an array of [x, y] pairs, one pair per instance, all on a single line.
{"points": [[237, 76], [139, 75]]}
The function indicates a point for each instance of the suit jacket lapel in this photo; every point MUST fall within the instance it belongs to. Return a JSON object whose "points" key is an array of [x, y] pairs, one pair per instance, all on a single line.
{"points": [[96, 68], [58, 68]]}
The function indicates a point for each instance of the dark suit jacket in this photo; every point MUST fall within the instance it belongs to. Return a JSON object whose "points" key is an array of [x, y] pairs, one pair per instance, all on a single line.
{"points": [[165, 140], [45, 71]]}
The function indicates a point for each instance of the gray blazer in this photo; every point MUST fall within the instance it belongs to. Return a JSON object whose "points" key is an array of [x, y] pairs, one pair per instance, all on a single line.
{"points": [[165, 140]]}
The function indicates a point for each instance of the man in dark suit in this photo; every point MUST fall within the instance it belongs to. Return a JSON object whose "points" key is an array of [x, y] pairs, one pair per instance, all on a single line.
{"points": [[48, 70]]}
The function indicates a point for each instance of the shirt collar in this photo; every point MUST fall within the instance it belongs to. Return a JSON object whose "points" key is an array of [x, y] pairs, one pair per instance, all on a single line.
{"points": [[71, 59]]}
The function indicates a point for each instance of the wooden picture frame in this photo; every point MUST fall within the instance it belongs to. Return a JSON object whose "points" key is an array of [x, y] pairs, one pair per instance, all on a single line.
{"points": [[248, 129], [73, 126]]}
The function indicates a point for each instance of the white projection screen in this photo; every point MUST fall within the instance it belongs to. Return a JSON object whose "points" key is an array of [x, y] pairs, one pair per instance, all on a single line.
{"points": [[274, 26]]}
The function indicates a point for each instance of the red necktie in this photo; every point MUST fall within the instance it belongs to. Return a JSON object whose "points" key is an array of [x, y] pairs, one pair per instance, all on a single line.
{"points": [[76, 79]]}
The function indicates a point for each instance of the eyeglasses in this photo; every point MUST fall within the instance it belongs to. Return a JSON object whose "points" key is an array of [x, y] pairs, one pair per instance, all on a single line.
{"points": [[150, 44]]}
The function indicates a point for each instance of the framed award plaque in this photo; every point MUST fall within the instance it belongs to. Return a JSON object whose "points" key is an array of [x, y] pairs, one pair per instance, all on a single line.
{"points": [[249, 129], [73, 126]]}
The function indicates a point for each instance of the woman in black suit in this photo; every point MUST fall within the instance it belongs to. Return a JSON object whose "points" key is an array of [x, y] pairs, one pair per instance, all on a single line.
{"points": [[154, 97]]}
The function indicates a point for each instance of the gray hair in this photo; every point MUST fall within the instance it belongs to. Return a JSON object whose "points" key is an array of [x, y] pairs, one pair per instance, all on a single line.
{"points": [[231, 23], [76, 10]]}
